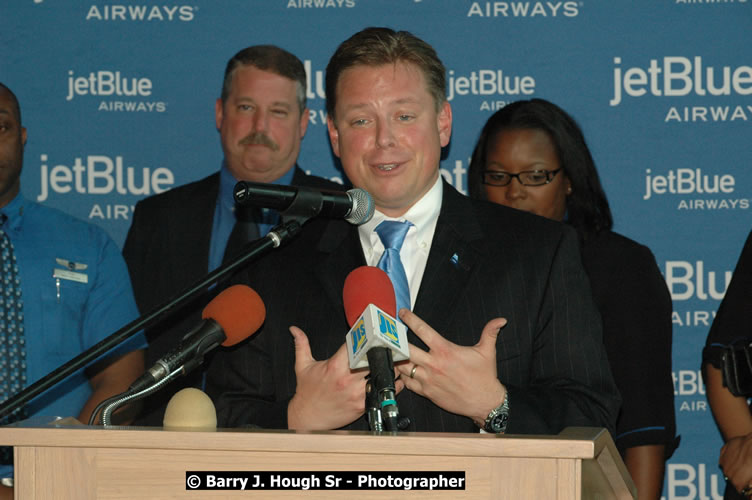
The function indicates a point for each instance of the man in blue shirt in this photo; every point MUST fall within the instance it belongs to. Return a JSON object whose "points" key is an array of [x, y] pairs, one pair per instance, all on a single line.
{"points": [[179, 236], [74, 286]]}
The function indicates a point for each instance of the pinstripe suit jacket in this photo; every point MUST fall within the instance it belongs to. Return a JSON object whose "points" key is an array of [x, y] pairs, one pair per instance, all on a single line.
{"points": [[508, 263]]}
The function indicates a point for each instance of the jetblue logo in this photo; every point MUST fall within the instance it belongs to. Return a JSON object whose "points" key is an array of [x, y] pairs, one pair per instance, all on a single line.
{"points": [[358, 335], [115, 86], [388, 328], [489, 82], [687, 181], [100, 174], [691, 182], [107, 83], [680, 76]]}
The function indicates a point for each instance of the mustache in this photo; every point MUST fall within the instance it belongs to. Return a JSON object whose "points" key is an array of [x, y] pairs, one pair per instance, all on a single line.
{"points": [[259, 138]]}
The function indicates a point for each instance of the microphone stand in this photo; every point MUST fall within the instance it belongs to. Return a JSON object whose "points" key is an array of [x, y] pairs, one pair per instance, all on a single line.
{"points": [[276, 237]]}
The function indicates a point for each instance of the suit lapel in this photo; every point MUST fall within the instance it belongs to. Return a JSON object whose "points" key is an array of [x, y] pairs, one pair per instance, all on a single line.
{"points": [[341, 252], [203, 218], [453, 258], [192, 225]]}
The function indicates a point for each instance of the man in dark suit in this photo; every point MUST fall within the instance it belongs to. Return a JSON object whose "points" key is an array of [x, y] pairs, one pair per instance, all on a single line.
{"points": [[503, 323], [179, 236]]}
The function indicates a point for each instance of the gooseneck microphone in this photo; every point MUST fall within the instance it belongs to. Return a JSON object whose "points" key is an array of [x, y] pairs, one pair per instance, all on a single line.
{"points": [[232, 316], [355, 206], [376, 340]]}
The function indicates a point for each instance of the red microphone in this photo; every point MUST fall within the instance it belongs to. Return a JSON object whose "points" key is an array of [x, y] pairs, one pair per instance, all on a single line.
{"points": [[375, 340], [368, 285], [231, 317]]}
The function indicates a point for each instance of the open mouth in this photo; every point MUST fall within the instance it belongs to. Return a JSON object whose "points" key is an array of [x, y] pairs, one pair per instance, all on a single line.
{"points": [[387, 167]]}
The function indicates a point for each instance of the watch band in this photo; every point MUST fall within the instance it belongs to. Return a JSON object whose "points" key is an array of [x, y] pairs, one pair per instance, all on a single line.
{"points": [[497, 419]]}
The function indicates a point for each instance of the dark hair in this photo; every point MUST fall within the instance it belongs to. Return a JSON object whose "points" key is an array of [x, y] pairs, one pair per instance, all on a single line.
{"points": [[268, 58], [14, 101], [379, 46], [587, 206]]}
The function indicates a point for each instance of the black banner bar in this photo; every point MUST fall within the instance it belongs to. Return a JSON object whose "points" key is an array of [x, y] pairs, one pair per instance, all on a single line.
{"points": [[325, 480]]}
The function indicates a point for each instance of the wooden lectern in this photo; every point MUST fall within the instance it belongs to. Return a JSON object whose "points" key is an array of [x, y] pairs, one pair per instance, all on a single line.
{"points": [[81, 462]]}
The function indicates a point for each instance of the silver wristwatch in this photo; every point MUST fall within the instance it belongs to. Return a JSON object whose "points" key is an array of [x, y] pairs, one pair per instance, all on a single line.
{"points": [[496, 421]]}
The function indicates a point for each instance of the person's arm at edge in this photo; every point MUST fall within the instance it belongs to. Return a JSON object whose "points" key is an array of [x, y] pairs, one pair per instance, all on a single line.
{"points": [[646, 465], [111, 380]]}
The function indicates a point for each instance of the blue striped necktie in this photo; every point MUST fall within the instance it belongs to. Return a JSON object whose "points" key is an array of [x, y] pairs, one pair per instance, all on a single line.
{"points": [[392, 234]]}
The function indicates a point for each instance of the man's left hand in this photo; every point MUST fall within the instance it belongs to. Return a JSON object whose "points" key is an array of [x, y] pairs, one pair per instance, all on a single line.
{"points": [[459, 379]]}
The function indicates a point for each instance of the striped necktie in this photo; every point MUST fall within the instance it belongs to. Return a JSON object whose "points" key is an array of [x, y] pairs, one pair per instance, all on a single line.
{"points": [[12, 340], [392, 234]]}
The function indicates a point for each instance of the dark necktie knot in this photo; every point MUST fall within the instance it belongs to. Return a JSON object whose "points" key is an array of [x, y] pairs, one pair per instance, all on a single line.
{"points": [[248, 214], [245, 230]]}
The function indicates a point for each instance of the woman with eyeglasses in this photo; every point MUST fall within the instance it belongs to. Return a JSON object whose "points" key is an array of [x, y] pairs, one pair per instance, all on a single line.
{"points": [[532, 156]]}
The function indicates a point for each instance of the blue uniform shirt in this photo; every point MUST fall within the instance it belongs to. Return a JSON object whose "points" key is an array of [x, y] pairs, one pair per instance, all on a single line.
{"points": [[76, 291]]}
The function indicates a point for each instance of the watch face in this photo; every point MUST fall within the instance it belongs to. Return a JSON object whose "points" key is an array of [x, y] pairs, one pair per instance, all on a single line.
{"points": [[499, 422]]}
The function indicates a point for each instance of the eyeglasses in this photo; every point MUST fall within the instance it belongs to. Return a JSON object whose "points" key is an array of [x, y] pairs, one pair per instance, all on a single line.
{"points": [[526, 178]]}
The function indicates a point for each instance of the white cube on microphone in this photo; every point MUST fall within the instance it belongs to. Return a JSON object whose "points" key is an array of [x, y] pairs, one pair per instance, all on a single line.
{"points": [[375, 328]]}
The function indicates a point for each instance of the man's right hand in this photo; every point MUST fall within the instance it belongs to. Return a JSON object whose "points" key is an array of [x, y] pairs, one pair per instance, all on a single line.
{"points": [[328, 395]]}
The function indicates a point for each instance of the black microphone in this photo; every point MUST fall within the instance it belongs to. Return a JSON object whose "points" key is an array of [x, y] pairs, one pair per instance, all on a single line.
{"points": [[355, 206], [232, 316]]}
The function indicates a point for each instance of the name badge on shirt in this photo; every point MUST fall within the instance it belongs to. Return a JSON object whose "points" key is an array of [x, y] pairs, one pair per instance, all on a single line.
{"points": [[69, 264], [64, 274]]}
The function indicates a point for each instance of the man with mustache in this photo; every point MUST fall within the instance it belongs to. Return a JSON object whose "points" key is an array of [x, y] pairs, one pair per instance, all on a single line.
{"points": [[179, 236]]}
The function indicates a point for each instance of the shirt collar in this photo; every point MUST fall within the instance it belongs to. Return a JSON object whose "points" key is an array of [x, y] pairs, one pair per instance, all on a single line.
{"points": [[14, 212], [423, 214]]}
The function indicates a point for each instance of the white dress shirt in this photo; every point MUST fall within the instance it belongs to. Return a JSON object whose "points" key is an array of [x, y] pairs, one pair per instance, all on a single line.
{"points": [[414, 253]]}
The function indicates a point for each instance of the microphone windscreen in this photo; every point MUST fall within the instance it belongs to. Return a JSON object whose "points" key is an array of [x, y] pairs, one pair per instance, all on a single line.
{"points": [[239, 311], [368, 285], [192, 409]]}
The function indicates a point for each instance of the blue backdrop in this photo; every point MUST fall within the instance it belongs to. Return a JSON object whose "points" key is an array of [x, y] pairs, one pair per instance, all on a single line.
{"points": [[118, 98]]}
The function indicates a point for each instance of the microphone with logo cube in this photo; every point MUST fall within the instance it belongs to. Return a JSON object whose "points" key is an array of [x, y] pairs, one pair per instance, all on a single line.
{"points": [[376, 340]]}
